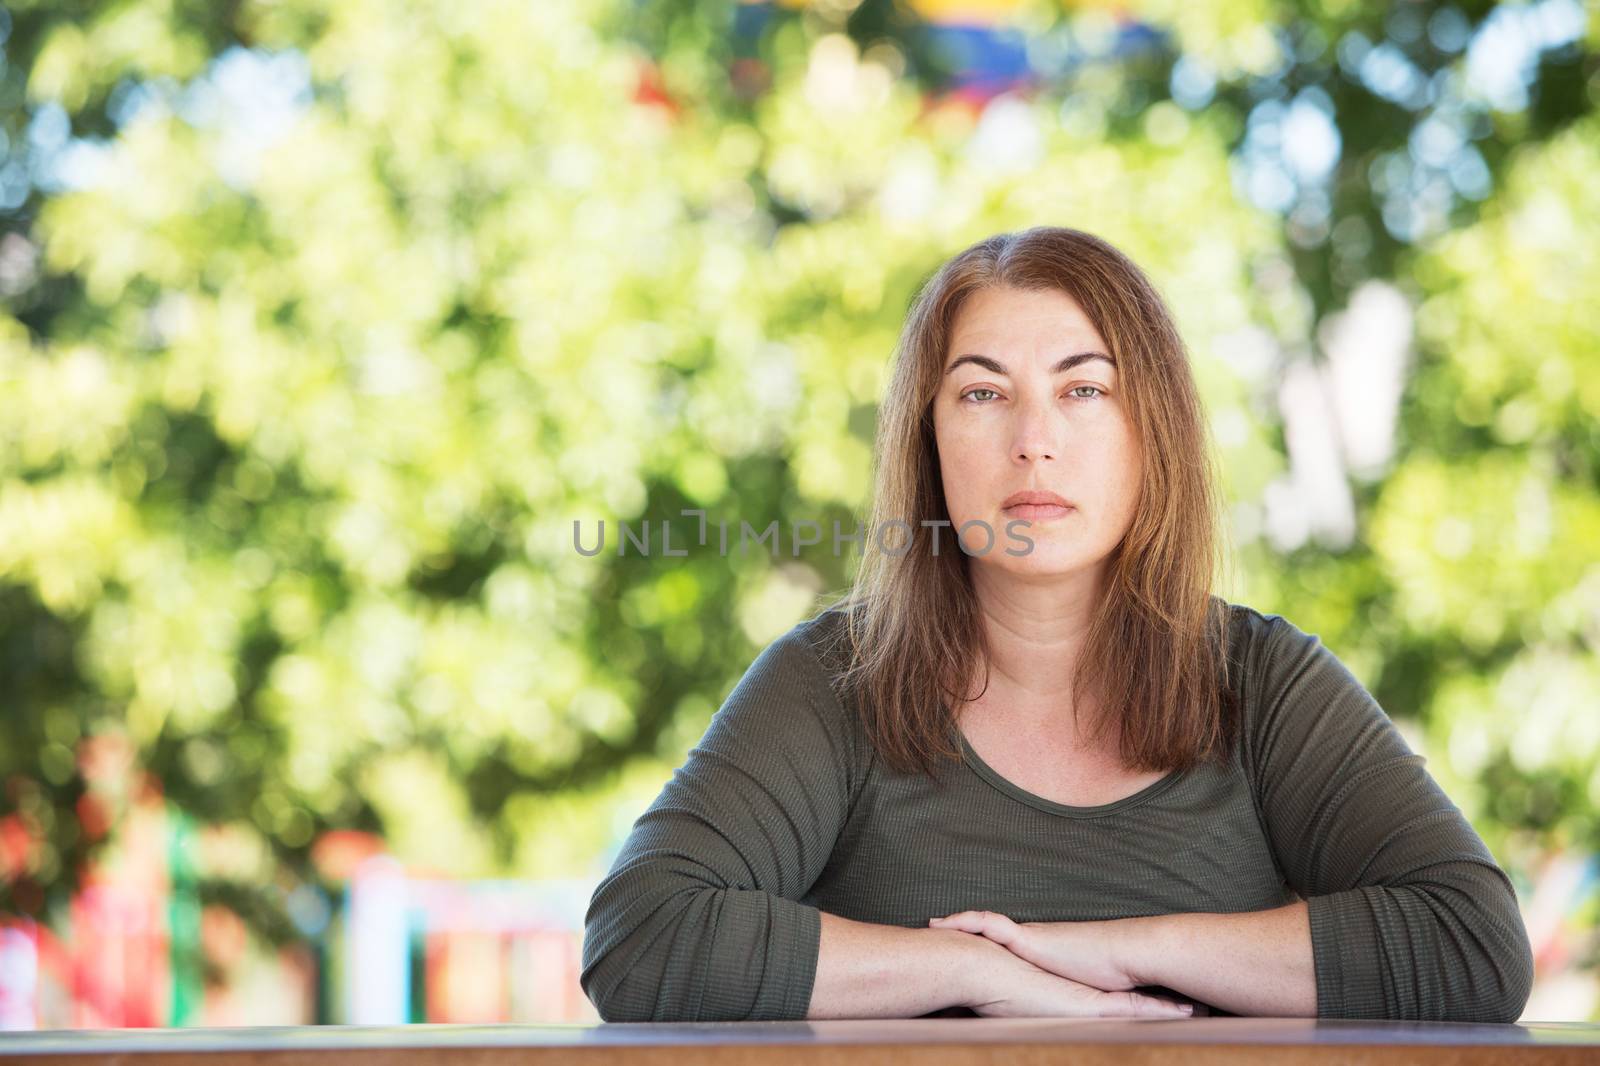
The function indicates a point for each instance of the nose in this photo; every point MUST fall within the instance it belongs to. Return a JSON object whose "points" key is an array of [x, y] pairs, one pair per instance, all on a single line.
{"points": [[1034, 432]]}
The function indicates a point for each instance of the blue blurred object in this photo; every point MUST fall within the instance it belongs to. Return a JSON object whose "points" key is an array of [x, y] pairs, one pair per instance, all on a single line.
{"points": [[748, 22], [983, 59], [986, 58]]}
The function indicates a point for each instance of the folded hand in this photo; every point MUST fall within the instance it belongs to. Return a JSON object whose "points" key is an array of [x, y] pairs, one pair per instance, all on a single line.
{"points": [[1091, 953]]}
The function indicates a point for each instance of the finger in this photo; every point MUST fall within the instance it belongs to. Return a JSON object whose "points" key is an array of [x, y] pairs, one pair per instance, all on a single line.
{"points": [[996, 927], [1162, 1008], [1138, 1005], [964, 917]]}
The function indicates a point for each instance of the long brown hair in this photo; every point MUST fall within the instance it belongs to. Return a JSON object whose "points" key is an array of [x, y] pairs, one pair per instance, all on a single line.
{"points": [[1156, 653]]}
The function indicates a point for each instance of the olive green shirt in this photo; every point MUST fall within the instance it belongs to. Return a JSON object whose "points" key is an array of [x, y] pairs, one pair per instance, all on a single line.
{"points": [[711, 908]]}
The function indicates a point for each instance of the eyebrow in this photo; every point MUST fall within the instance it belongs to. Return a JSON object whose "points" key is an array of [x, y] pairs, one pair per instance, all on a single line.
{"points": [[994, 367]]}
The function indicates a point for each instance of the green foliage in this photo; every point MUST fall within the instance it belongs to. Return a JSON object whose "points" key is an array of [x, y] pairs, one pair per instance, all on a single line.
{"points": [[293, 437]]}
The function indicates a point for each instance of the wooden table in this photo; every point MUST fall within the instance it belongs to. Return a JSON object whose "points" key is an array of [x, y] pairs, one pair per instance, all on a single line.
{"points": [[930, 1041]]}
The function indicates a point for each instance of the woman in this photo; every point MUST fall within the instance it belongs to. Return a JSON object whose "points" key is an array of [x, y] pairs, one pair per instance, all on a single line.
{"points": [[1043, 770]]}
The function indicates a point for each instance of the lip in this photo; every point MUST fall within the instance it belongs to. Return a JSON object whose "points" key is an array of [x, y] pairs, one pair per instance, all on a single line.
{"points": [[1038, 512], [1036, 500]]}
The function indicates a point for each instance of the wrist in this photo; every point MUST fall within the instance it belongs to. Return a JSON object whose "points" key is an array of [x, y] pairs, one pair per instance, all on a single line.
{"points": [[1140, 947], [966, 965]]}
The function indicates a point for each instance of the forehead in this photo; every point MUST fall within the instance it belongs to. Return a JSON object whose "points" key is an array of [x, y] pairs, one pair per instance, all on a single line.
{"points": [[1017, 322]]}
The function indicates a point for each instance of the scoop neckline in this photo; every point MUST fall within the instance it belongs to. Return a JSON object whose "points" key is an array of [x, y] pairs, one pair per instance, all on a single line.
{"points": [[1065, 810]]}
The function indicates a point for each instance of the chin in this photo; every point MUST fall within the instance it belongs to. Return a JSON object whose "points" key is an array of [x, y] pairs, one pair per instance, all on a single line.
{"points": [[1045, 560]]}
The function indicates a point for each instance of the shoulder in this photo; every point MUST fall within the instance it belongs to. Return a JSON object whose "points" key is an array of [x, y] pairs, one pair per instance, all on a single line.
{"points": [[820, 647], [1296, 691], [808, 649], [1261, 642], [827, 636], [1248, 622], [1279, 671], [788, 702], [806, 662]]}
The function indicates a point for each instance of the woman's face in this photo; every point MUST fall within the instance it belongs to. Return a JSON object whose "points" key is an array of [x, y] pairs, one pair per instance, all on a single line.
{"points": [[1030, 400]]}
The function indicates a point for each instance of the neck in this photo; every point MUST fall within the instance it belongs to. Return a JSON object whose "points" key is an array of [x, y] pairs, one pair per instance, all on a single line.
{"points": [[1035, 632]]}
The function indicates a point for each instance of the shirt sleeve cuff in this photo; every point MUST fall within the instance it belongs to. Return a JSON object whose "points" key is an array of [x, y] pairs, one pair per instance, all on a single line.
{"points": [[1346, 956]]}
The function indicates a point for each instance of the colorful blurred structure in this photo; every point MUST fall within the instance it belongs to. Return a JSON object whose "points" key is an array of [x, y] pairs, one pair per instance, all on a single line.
{"points": [[983, 49], [136, 950], [453, 951]]}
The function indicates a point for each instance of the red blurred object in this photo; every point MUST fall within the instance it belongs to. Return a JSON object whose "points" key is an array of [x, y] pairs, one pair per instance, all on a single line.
{"points": [[122, 972], [467, 978], [338, 852], [148, 788], [93, 816], [971, 100], [650, 91], [16, 846], [750, 76]]}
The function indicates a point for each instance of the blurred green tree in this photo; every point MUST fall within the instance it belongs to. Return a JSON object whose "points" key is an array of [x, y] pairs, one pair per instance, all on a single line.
{"points": [[326, 322]]}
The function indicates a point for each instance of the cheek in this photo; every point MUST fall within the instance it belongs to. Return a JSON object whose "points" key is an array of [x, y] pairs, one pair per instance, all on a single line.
{"points": [[1110, 461], [973, 439], [1118, 452], [1125, 467], [962, 468]]}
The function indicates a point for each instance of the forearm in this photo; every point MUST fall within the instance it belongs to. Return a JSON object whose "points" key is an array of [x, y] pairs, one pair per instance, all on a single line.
{"points": [[1255, 963], [887, 971]]}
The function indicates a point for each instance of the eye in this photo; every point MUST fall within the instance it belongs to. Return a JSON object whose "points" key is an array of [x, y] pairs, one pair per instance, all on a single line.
{"points": [[1097, 390], [968, 395]]}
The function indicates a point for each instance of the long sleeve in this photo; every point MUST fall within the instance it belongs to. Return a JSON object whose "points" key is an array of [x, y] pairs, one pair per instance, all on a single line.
{"points": [[1411, 918], [698, 918]]}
